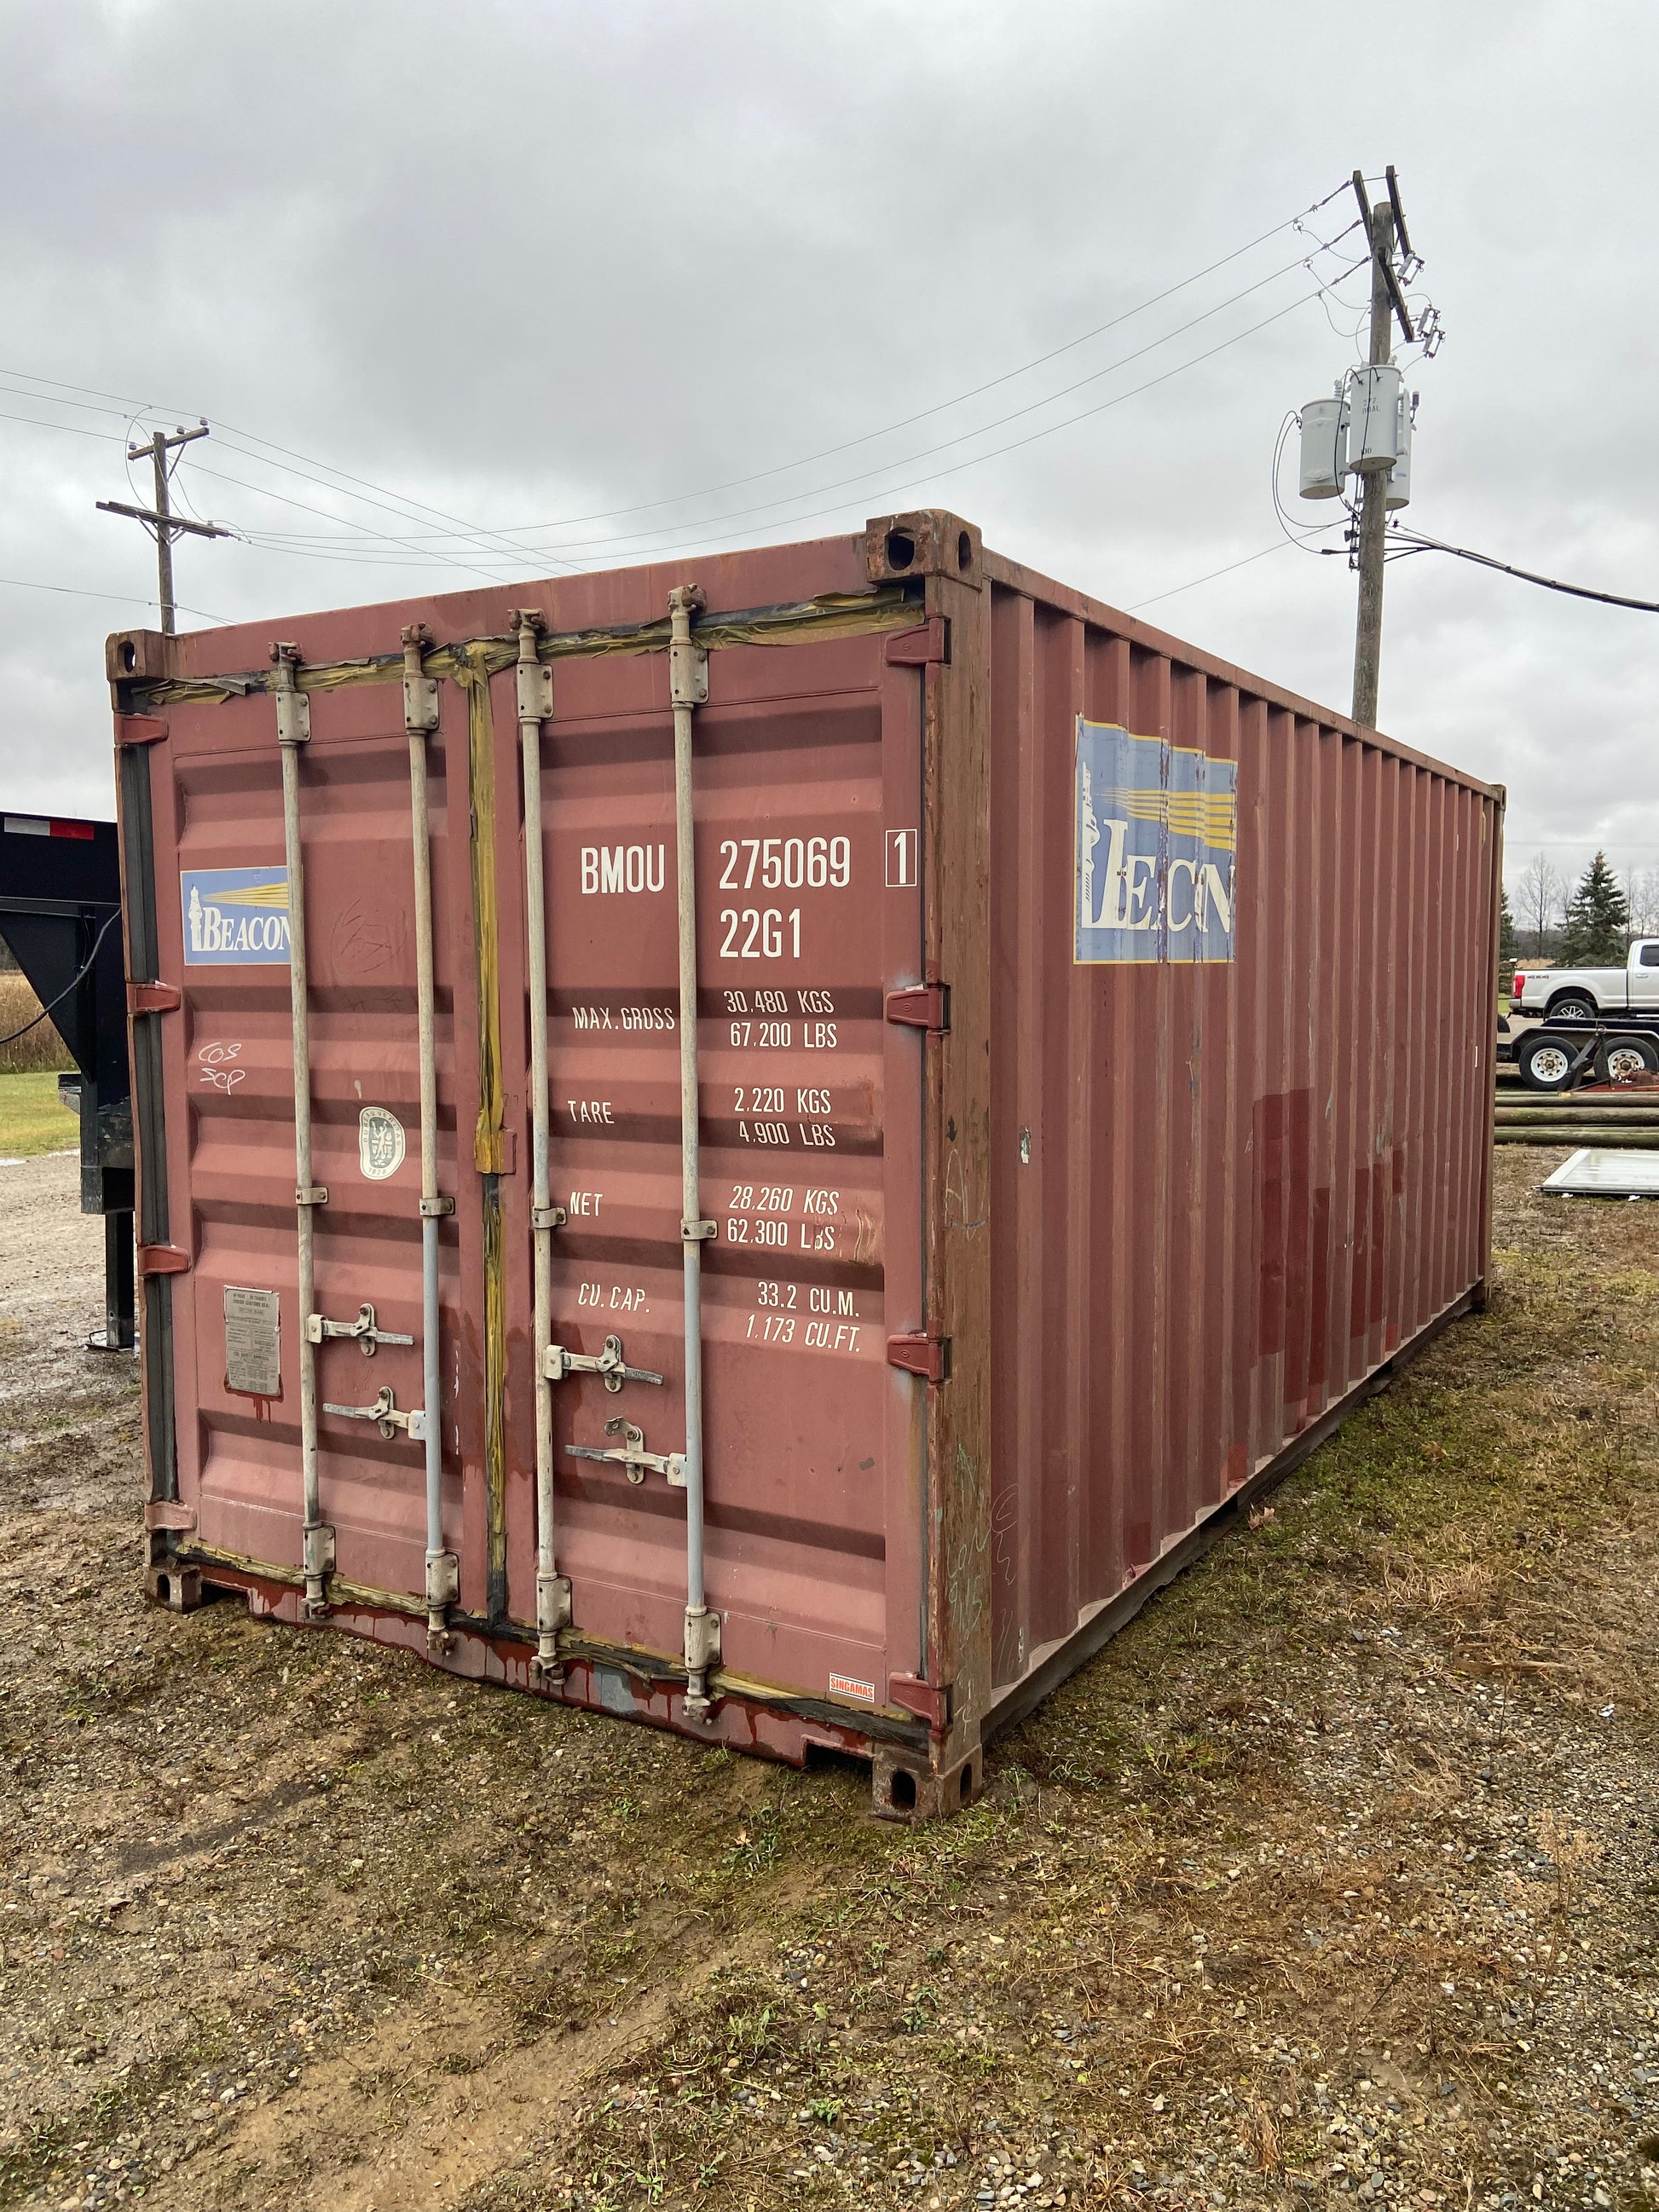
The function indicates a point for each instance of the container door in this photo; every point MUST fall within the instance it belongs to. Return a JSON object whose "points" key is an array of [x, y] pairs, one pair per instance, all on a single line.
{"points": [[808, 788], [224, 924]]}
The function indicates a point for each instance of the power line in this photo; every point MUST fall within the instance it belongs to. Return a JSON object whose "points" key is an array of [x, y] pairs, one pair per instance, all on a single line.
{"points": [[696, 540], [74, 429], [119, 598], [962, 438], [269, 542], [1008, 376], [79, 977], [700, 528], [1016, 445], [477, 533], [360, 546], [77, 430], [1421, 543], [483, 540], [732, 483], [1278, 546]]}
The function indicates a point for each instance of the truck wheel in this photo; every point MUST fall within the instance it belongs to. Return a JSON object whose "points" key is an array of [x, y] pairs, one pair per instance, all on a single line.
{"points": [[1545, 1061], [1623, 1058], [1573, 1006]]}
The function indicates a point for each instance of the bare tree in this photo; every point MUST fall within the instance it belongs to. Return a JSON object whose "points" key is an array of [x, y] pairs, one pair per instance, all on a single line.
{"points": [[1538, 899], [1642, 890]]}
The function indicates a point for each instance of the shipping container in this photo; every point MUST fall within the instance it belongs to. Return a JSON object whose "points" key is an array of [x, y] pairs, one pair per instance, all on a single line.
{"points": [[769, 1146]]}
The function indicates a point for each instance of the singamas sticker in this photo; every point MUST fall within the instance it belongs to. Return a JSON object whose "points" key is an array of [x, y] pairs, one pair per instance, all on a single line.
{"points": [[235, 917]]}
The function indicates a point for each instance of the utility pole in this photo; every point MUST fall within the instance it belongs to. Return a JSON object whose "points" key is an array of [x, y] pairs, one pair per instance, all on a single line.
{"points": [[1387, 302], [161, 518]]}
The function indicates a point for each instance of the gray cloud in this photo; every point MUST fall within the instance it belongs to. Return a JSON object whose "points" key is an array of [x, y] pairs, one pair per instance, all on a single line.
{"points": [[523, 261]]}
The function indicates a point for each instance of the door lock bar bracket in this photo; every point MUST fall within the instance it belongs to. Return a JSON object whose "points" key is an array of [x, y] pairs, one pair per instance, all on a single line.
{"points": [[557, 1363], [631, 1455], [386, 1415], [317, 1327]]}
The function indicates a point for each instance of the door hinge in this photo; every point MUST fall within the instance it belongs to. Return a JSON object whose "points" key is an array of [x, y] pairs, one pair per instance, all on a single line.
{"points": [[154, 998], [928, 1701], [926, 647], [139, 730], [420, 690], [688, 661], [293, 705], [923, 1007], [169, 1513], [535, 690], [927, 1356], [163, 1259]]}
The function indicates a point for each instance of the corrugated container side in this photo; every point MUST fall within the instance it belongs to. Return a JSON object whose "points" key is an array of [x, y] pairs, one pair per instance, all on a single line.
{"points": [[1225, 1192]]}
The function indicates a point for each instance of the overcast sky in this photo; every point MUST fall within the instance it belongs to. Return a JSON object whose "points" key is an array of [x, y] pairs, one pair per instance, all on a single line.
{"points": [[514, 262]]}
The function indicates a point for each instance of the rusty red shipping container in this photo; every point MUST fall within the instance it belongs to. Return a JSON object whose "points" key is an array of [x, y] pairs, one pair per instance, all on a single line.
{"points": [[1089, 1089]]}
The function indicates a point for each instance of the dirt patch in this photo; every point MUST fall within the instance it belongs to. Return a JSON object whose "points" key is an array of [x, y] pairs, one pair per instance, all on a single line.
{"points": [[1333, 1877]]}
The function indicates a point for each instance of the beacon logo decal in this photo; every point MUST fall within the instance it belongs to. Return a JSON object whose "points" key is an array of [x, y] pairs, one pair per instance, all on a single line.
{"points": [[235, 917], [1157, 826]]}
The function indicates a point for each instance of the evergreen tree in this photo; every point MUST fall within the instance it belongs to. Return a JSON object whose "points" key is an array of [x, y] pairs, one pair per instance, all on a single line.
{"points": [[1597, 932], [1509, 945]]}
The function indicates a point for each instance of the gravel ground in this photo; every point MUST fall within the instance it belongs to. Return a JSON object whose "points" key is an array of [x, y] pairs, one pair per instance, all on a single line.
{"points": [[1332, 1879]]}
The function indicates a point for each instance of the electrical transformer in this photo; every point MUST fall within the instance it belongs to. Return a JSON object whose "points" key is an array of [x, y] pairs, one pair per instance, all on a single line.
{"points": [[1324, 447]]}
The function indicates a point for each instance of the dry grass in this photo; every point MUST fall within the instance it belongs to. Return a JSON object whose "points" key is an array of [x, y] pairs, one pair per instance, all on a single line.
{"points": [[40, 1049], [1331, 1882]]}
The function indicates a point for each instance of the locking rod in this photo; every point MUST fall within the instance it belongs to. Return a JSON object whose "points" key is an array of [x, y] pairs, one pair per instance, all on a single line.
{"points": [[293, 731], [688, 686], [535, 689], [420, 722]]}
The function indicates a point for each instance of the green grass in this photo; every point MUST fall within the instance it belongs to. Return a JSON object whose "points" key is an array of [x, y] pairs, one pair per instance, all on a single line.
{"points": [[31, 1119]]}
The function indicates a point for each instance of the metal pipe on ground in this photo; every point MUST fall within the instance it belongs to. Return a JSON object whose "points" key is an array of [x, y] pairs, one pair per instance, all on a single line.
{"points": [[1615, 1140], [1599, 1117], [420, 721], [293, 731], [688, 685]]}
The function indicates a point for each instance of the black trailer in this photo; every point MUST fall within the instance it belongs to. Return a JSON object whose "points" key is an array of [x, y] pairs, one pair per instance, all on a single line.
{"points": [[60, 916], [1559, 1055]]}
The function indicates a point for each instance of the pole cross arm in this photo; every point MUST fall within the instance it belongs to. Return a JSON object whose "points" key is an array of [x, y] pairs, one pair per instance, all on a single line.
{"points": [[166, 521], [180, 437]]}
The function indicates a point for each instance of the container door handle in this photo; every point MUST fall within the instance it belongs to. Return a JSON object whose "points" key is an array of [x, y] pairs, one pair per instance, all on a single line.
{"points": [[386, 1415], [557, 1363], [318, 1326], [631, 1455]]}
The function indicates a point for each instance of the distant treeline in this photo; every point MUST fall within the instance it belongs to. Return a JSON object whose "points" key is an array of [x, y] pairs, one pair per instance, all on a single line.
{"points": [[1589, 925]]}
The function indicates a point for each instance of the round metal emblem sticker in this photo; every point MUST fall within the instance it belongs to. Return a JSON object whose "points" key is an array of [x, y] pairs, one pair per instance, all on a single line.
{"points": [[379, 1143]]}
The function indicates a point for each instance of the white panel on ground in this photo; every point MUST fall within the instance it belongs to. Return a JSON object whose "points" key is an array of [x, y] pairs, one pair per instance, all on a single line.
{"points": [[1607, 1175]]}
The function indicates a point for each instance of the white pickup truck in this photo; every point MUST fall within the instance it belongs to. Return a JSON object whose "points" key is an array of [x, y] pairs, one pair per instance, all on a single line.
{"points": [[1585, 994]]}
